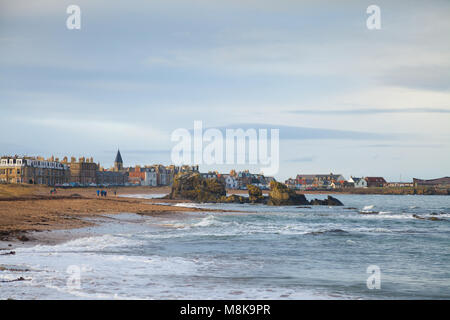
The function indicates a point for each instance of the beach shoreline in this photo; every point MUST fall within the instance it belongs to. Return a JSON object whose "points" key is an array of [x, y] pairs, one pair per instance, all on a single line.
{"points": [[29, 212], [28, 218]]}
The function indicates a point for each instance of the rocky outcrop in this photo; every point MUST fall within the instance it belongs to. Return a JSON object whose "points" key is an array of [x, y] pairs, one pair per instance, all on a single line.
{"points": [[192, 186], [281, 195], [427, 218], [255, 194], [330, 201], [234, 199]]}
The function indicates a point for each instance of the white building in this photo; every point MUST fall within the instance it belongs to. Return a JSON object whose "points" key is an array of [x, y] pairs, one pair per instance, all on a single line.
{"points": [[358, 182], [230, 182], [150, 178]]}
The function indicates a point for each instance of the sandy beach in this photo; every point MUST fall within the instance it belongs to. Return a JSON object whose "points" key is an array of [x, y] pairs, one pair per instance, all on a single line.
{"points": [[26, 211]]}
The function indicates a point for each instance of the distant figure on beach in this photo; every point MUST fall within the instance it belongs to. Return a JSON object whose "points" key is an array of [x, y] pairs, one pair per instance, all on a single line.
{"points": [[115, 193], [106, 193], [98, 193]]}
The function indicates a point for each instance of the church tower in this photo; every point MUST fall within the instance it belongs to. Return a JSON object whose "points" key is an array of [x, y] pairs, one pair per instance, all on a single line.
{"points": [[118, 163]]}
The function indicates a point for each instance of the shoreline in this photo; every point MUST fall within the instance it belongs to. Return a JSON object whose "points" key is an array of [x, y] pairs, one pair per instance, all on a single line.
{"points": [[28, 219], [28, 213]]}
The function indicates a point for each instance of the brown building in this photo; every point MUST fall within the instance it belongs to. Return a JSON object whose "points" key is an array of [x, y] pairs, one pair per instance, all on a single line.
{"points": [[377, 182], [83, 171], [33, 170], [111, 178]]}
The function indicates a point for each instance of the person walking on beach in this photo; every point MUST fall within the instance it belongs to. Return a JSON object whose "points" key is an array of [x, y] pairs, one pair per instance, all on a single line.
{"points": [[98, 192]]}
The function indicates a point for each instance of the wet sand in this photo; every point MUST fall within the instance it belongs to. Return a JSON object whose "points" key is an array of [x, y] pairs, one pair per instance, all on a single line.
{"points": [[28, 216]]}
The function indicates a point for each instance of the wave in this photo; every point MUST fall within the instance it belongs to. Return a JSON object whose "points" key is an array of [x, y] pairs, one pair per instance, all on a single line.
{"points": [[332, 231], [85, 244]]}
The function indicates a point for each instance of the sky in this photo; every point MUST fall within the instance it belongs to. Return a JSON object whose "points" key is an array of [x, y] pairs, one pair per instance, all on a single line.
{"points": [[346, 99]]}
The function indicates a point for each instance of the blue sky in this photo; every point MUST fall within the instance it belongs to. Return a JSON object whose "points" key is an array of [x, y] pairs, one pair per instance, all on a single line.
{"points": [[346, 99]]}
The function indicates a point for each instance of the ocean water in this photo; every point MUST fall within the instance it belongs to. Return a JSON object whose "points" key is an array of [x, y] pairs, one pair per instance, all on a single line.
{"points": [[259, 252]]}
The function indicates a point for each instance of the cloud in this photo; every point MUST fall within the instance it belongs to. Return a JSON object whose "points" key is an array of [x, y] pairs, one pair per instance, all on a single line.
{"points": [[301, 159], [304, 133], [142, 152], [435, 77], [412, 146], [368, 111]]}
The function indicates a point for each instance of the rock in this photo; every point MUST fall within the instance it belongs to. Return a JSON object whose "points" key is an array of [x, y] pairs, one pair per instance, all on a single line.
{"points": [[429, 218], [255, 194], [330, 201], [192, 186], [23, 238], [18, 279], [8, 253], [233, 199], [281, 195]]}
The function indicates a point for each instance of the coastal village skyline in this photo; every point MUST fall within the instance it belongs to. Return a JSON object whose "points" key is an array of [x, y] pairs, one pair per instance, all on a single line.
{"points": [[84, 171]]}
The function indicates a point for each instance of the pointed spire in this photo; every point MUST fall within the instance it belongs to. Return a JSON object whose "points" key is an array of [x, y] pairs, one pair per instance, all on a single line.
{"points": [[118, 157]]}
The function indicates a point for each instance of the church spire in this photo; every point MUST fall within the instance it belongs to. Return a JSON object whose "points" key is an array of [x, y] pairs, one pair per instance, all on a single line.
{"points": [[118, 163], [118, 157]]}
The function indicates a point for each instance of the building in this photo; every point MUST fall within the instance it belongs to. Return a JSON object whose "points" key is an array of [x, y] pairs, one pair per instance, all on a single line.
{"points": [[319, 181], [33, 170], [150, 177], [163, 175], [209, 175], [358, 182], [136, 175], [111, 178], [82, 172], [377, 182], [291, 183], [399, 184], [118, 162], [437, 183], [230, 181]]}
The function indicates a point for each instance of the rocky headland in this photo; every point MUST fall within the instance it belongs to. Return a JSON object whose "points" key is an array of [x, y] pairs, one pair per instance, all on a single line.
{"points": [[192, 186]]}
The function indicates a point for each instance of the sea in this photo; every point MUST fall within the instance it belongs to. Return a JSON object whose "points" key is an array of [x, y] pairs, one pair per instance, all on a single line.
{"points": [[373, 247]]}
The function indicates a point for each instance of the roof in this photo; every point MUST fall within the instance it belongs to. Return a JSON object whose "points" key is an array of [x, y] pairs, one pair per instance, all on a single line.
{"points": [[375, 179], [318, 176], [444, 180], [118, 157]]}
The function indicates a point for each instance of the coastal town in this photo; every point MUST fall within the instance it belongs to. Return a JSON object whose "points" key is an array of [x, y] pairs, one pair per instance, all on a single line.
{"points": [[85, 172]]}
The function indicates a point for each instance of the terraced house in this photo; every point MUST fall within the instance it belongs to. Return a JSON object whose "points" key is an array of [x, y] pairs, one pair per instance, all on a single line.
{"points": [[33, 170]]}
